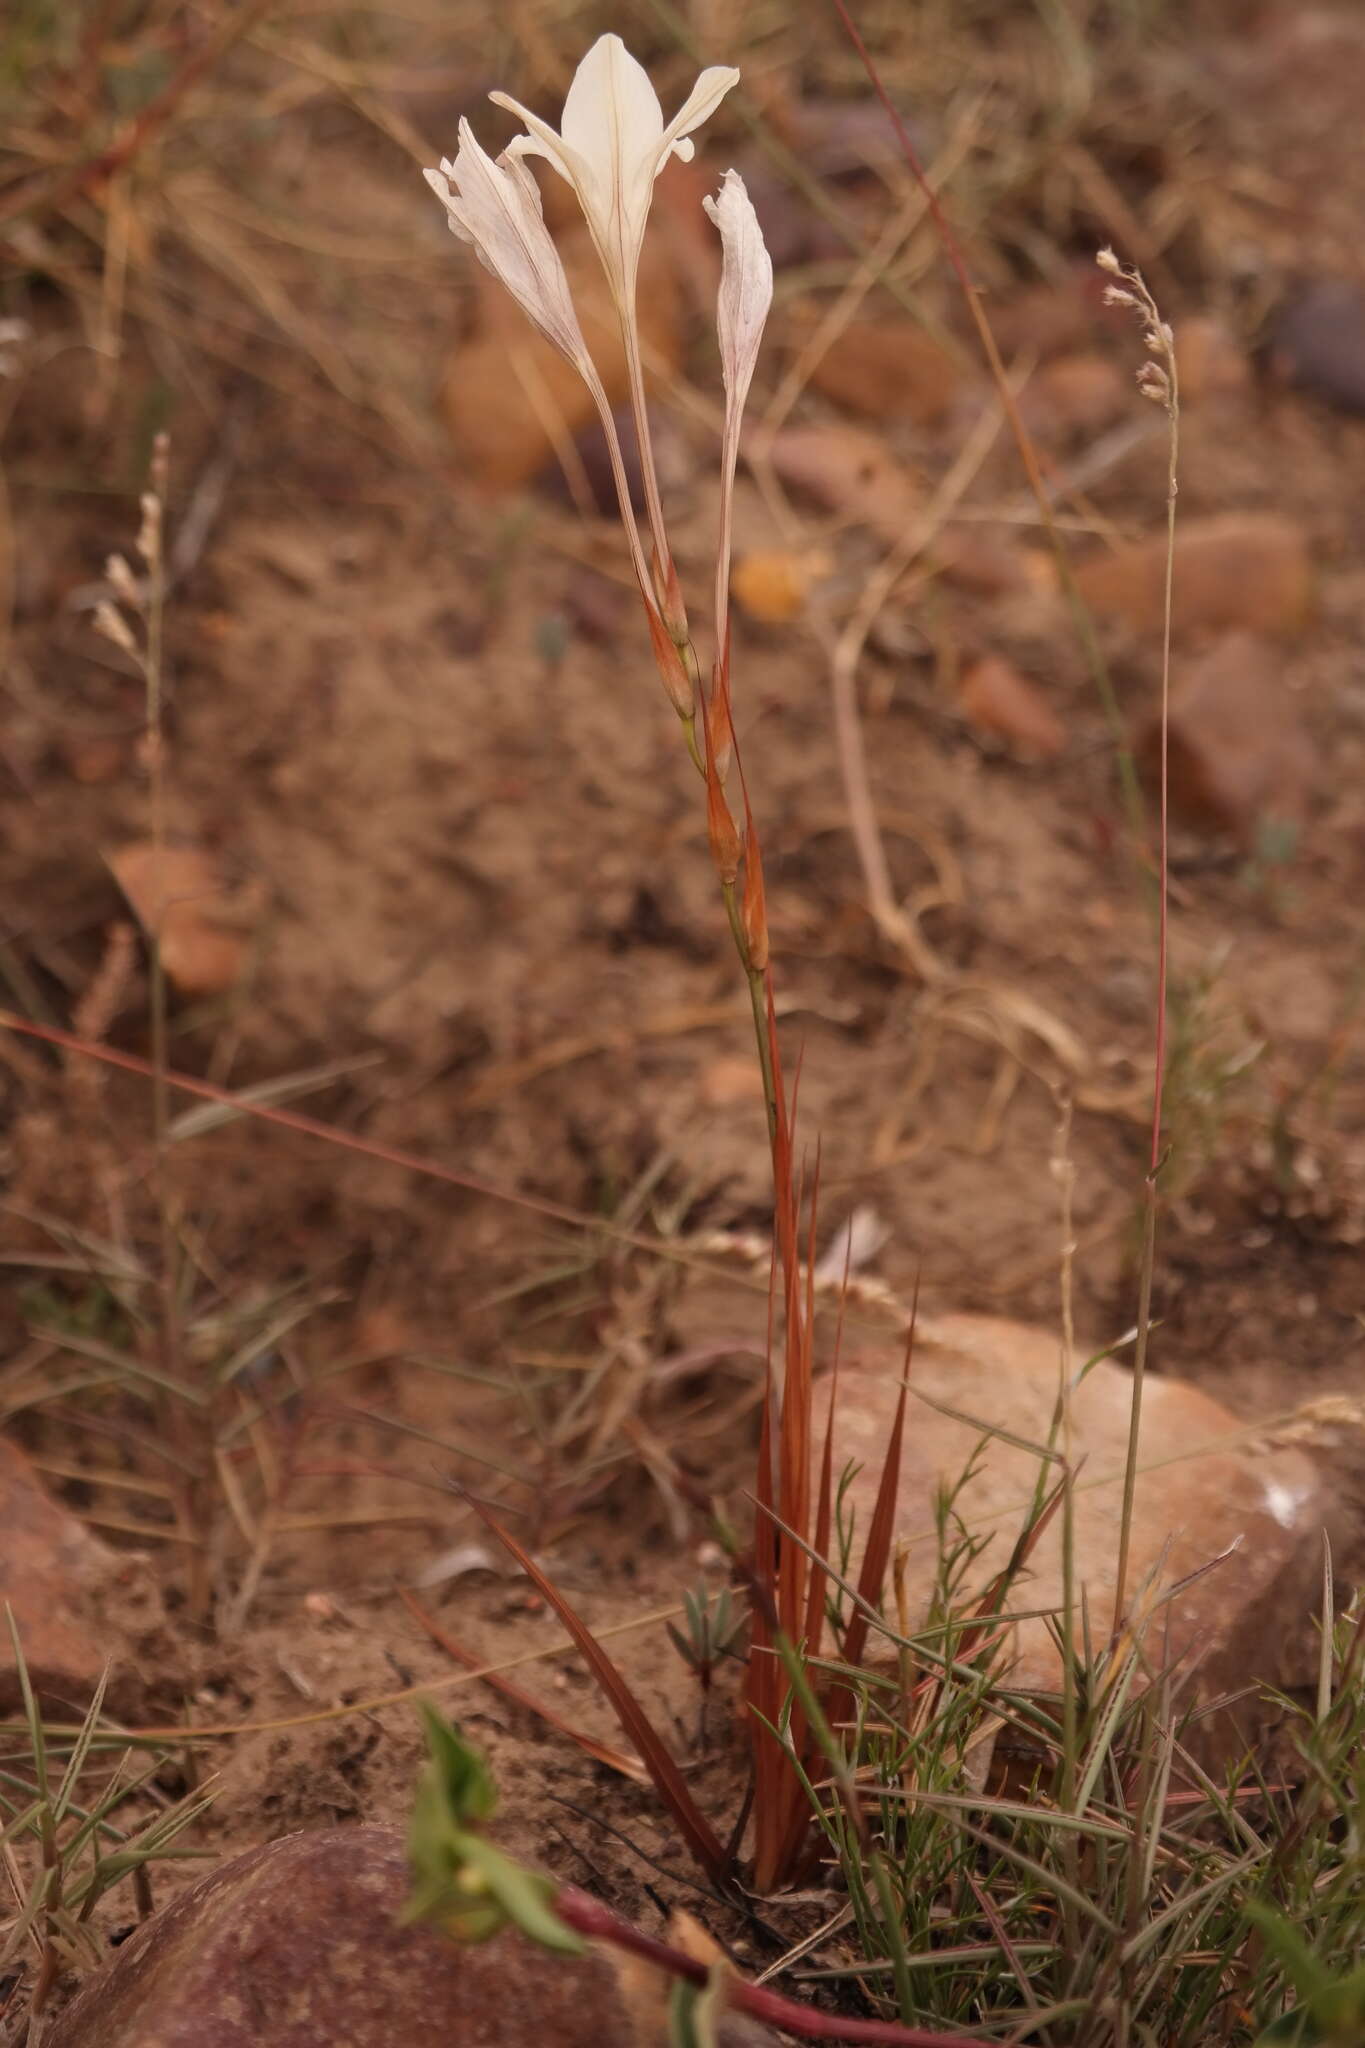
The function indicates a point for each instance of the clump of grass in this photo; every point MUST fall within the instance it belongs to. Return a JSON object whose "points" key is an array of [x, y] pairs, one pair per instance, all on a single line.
{"points": [[1104, 1887], [1109, 1890], [80, 1814]]}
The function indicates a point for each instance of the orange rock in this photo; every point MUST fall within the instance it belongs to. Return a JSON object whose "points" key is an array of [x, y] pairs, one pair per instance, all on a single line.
{"points": [[179, 899], [773, 584], [51, 1570], [888, 369], [1049, 319], [1241, 569], [1200, 1492], [730, 1079], [1076, 395], [998, 701], [1238, 754], [1208, 360], [849, 471]]}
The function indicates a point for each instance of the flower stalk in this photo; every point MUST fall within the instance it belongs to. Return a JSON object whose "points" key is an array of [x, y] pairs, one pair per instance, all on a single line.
{"points": [[610, 147]]}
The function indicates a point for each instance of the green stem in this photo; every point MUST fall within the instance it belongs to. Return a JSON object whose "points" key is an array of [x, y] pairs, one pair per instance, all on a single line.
{"points": [[758, 997]]}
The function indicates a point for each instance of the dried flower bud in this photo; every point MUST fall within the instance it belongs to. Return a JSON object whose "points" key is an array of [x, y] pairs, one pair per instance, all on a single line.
{"points": [[122, 581], [149, 534], [111, 622], [1107, 260]]}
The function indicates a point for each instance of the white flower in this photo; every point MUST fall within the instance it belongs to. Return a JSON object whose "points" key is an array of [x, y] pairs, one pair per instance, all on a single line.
{"points": [[613, 144], [746, 293], [746, 288], [496, 207]]}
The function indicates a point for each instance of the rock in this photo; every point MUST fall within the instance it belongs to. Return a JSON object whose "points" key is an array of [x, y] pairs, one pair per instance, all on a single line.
{"points": [[294, 1945], [1317, 342], [180, 900], [989, 564], [1076, 395], [1208, 359], [1201, 1491], [730, 1079], [849, 471], [1247, 569], [887, 370], [1049, 319], [1239, 756], [57, 1580], [773, 584], [997, 701]]}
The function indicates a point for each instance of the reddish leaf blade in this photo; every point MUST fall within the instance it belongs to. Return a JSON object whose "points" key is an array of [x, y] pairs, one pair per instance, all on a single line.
{"points": [[602, 1752], [667, 1779]]}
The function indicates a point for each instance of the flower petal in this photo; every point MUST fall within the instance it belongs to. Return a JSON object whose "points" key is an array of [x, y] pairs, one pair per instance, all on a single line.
{"points": [[612, 112], [496, 207], [612, 147], [705, 96], [614, 125], [542, 141]]}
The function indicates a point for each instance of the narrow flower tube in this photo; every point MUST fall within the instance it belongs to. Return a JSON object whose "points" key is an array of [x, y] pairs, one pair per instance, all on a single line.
{"points": [[746, 293]]}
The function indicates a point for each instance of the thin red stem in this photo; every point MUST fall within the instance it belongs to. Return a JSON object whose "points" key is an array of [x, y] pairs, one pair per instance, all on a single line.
{"points": [[589, 1917]]}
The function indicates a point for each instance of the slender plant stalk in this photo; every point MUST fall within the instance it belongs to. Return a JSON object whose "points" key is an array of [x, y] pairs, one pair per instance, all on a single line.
{"points": [[1159, 380], [1069, 1756], [152, 546], [591, 1918]]}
